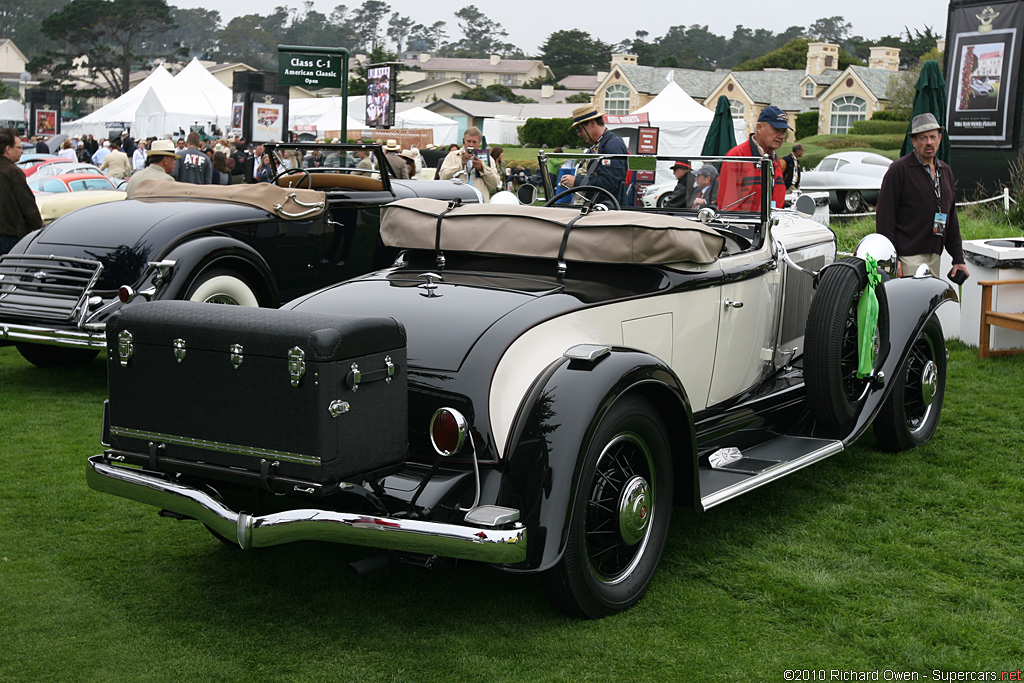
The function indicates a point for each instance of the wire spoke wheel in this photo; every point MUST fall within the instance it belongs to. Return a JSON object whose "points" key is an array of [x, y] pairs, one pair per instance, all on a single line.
{"points": [[911, 411]]}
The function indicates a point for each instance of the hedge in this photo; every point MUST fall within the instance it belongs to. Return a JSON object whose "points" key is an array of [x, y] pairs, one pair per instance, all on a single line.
{"points": [[889, 115], [548, 133], [875, 127], [806, 124]]}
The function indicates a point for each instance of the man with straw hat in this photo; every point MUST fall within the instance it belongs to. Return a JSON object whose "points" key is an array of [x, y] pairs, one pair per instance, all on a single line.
{"points": [[160, 159], [610, 174]]}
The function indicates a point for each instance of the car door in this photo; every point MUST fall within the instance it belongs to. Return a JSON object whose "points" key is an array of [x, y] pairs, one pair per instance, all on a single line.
{"points": [[748, 305]]}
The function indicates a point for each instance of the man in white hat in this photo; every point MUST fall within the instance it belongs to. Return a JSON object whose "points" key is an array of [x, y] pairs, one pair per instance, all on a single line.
{"points": [[916, 205], [161, 157], [610, 174], [471, 164], [395, 161]]}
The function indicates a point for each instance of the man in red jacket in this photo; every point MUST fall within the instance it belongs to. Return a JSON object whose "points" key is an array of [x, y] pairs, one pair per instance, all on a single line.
{"points": [[739, 185]]}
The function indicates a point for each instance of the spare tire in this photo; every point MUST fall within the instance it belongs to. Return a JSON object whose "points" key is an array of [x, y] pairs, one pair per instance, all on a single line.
{"points": [[830, 343]]}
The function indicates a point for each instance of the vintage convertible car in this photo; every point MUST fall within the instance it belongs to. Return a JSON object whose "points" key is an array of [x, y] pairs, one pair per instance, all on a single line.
{"points": [[244, 244], [852, 179], [530, 387]]}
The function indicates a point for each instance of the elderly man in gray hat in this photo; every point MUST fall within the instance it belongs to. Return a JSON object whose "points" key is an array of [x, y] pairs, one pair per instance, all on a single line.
{"points": [[706, 192], [916, 208]]}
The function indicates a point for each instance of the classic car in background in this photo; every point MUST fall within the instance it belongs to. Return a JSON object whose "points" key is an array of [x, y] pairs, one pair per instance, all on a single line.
{"points": [[76, 181], [53, 205], [530, 387], [248, 245], [852, 180]]}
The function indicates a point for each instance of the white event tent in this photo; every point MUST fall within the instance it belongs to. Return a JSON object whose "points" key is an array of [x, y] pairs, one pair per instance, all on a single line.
{"points": [[12, 110], [193, 97], [325, 114], [122, 110], [683, 124]]}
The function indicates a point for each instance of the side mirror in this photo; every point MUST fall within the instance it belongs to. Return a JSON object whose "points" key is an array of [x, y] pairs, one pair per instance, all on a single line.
{"points": [[527, 194]]}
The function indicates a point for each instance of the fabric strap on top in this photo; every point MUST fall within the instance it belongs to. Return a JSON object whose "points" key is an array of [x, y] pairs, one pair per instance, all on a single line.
{"points": [[439, 255]]}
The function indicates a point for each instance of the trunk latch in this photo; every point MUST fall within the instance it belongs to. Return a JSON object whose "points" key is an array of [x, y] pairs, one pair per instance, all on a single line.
{"points": [[179, 349], [236, 355], [296, 364], [125, 348]]}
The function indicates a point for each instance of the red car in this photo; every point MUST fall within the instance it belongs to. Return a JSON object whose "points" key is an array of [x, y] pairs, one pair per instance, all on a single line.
{"points": [[70, 182]]}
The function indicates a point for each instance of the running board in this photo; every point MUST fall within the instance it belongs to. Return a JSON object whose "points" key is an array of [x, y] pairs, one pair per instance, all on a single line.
{"points": [[773, 459]]}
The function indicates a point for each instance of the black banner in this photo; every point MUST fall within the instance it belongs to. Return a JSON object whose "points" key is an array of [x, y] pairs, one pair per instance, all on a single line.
{"points": [[984, 60]]}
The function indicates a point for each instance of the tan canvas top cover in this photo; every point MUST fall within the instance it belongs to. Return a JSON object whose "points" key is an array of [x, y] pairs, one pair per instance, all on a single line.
{"points": [[599, 237], [280, 201]]}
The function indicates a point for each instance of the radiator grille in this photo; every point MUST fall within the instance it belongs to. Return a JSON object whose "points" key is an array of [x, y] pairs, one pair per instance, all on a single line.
{"points": [[799, 292], [47, 287]]}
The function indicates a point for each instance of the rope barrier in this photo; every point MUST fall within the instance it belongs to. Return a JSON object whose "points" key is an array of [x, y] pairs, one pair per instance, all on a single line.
{"points": [[1004, 197]]}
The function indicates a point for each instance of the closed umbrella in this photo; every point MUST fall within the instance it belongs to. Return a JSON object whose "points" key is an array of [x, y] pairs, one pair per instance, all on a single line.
{"points": [[930, 97], [721, 136]]}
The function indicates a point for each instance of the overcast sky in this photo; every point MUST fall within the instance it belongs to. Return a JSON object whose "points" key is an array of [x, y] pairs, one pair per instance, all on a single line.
{"points": [[529, 22]]}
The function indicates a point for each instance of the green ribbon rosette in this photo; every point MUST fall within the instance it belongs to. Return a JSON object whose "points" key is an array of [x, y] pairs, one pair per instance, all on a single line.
{"points": [[867, 320]]}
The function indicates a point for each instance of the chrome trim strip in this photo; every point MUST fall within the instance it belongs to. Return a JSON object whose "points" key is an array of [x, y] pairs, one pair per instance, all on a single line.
{"points": [[50, 336], [497, 546], [758, 480], [218, 446]]}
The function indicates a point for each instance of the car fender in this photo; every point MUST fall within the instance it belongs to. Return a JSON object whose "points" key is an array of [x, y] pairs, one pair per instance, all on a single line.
{"points": [[554, 428], [910, 303], [194, 256]]}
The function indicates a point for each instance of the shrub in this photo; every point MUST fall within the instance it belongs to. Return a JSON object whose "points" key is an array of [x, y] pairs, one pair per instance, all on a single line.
{"points": [[874, 127], [806, 124], [548, 133], [889, 115]]}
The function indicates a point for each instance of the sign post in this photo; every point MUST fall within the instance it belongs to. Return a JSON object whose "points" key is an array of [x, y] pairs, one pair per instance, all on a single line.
{"points": [[315, 68]]}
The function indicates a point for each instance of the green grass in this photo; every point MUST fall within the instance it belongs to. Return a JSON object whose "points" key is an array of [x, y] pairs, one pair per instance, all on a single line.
{"points": [[979, 221], [867, 561]]}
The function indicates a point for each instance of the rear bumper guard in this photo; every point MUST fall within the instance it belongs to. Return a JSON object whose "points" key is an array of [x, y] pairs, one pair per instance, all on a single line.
{"points": [[496, 546], [34, 334]]}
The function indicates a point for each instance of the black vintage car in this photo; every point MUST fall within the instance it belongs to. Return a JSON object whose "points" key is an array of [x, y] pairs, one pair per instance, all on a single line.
{"points": [[253, 245], [531, 387]]}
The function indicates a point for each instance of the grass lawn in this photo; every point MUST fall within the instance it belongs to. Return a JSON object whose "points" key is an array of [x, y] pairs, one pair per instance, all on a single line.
{"points": [[866, 562]]}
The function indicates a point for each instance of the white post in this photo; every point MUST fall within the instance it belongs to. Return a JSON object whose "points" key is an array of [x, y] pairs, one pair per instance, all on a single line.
{"points": [[1006, 199]]}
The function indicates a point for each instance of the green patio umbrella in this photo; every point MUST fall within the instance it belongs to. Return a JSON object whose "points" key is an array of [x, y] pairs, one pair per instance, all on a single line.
{"points": [[721, 137], [930, 97]]}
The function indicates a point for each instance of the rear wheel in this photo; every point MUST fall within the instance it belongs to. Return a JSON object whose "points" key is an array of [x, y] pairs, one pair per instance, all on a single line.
{"points": [[222, 287], [620, 517], [910, 414], [44, 356], [853, 202]]}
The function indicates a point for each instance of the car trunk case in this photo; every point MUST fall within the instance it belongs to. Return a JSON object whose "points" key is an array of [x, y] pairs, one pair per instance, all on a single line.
{"points": [[195, 403]]}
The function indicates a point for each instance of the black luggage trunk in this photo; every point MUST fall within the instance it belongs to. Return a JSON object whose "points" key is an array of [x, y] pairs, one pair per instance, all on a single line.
{"points": [[313, 397]]}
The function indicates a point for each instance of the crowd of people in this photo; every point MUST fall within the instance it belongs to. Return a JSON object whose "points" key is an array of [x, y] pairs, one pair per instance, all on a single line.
{"points": [[914, 185]]}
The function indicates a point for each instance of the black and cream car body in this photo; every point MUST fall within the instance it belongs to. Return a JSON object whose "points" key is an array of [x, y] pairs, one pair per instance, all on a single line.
{"points": [[566, 376], [254, 245]]}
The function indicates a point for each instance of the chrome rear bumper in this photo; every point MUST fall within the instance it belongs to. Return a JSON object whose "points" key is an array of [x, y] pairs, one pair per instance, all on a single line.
{"points": [[77, 339], [497, 546]]}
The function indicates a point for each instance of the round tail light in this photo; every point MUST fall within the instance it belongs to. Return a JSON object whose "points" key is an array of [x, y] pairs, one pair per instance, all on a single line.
{"points": [[125, 294], [447, 431]]}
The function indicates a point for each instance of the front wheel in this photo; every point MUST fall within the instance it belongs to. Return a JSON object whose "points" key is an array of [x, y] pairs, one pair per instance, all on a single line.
{"points": [[853, 202], [43, 356], [910, 413], [222, 287], [619, 519]]}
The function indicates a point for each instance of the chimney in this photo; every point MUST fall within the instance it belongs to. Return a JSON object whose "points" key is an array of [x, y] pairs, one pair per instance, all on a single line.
{"points": [[601, 75], [623, 58], [424, 57], [495, 59], [820, 57], [887, 58], [547, 91]]}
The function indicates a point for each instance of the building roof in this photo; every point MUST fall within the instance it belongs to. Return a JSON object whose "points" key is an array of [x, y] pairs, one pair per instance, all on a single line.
{"points": [[651, 79], [877, 80], [581, 82], [520, 66], [781, 88], [430, 84]]}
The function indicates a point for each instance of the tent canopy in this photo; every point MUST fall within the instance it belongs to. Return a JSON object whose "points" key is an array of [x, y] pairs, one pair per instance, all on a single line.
{"points": [[193, 97], [325, 114], [12, 110], [121, 110]]}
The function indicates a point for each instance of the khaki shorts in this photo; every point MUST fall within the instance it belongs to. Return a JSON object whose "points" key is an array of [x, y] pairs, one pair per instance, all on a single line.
{"points": [[910, 263]]}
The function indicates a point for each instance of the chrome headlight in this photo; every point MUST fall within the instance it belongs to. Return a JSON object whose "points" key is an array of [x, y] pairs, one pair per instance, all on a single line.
{"points": [[879, 248]]}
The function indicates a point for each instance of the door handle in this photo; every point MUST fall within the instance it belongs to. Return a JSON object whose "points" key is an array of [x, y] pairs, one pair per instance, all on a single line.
{"points": [[733, 304]]}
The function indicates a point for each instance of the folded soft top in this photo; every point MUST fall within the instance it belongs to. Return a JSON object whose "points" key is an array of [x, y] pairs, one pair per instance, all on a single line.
{"points": [[598, 237]]}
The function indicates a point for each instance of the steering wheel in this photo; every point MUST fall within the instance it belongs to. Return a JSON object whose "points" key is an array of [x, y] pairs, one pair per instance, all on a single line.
{"points": [[583, 189], [294, 171]]}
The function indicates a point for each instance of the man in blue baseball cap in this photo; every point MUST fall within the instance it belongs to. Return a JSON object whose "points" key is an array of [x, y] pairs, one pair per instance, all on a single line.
{"points": [[739, 185]]}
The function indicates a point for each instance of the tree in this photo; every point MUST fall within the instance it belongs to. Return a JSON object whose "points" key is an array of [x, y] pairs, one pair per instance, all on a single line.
{"points": [[112, 37], [579, 98], [428, 38], [195, 35], [695, 47], [21, 20], [792, 55], [831, 30], [245, 40], [574, 52], [481, 36], [913, 45], [368, 21], [399, 28]]}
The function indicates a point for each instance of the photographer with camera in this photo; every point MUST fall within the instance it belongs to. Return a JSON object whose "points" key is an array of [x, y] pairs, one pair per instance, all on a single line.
{"points": [[472, 164]]}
